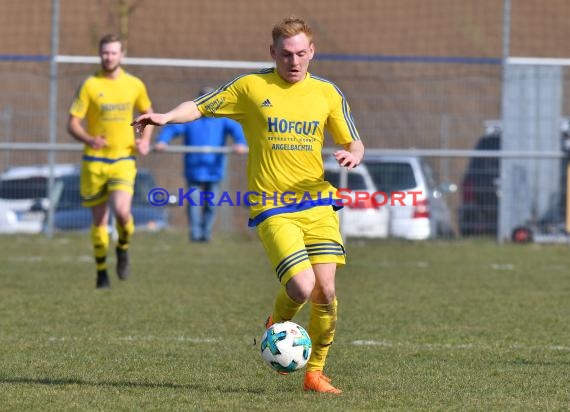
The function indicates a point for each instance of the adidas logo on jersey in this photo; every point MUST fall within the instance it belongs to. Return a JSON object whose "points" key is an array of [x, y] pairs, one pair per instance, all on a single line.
{"points": [[266, 103]]}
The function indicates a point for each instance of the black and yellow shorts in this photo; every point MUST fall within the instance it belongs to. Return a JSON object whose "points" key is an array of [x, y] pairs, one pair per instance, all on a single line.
{"points": [[101, 177], [295, 241]]}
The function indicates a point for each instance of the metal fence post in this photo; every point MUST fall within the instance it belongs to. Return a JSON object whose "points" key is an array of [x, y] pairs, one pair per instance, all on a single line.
{"points": [[52, 112]]}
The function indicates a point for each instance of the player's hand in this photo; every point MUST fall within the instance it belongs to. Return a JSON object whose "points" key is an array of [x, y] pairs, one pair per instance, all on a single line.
{"points": [[160, 147], [97, 142], [346, 159], [143, 146], [155, 119]]}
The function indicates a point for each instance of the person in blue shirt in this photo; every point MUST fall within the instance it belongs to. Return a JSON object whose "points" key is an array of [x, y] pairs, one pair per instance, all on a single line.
{"points": [[204, 171]]}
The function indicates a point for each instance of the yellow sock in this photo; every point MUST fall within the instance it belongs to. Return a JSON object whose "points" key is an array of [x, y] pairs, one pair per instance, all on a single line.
{"points": [[100, 241], [322, 325], [125, 233], [285, 308]]}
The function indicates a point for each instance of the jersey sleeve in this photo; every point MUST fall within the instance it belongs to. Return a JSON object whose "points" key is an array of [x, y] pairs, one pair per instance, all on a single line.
{"points": [[80, 102], [224, 101], [340, 121]]}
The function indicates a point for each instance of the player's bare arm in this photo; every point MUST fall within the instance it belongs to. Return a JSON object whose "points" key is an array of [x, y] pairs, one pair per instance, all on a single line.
{"points": [[352, 154], [76, 129], [143, 140], [183, 113]]}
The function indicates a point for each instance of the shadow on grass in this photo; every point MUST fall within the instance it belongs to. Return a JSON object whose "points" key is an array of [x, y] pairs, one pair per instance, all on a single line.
{"points": [[534, 362], [125, 384]]}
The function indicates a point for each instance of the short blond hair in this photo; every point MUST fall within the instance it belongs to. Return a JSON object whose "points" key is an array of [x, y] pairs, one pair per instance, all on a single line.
{"points": [[110, 38], [289, 27]]}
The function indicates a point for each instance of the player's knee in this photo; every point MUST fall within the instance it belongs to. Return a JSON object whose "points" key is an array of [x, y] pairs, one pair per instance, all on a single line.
{"points": [[299, 293], [325, 294], [300, 287], [123, 215]]}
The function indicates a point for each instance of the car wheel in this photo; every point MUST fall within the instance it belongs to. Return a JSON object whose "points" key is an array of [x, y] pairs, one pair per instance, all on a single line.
{"points": [[522, 235]]}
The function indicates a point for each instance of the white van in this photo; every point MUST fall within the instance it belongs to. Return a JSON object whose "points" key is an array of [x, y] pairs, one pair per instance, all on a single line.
{"points": [[423, 212], [360, 218]]}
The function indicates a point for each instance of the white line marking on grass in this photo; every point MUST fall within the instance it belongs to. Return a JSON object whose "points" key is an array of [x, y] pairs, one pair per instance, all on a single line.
{"points": [[130, 338], [436, 346], [65, 259], [173, 338], [499, 266], [26, 259]]}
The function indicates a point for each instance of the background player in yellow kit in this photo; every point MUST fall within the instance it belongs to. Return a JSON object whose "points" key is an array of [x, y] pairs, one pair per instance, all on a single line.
{"points": [[284, 112], [106, 100]]}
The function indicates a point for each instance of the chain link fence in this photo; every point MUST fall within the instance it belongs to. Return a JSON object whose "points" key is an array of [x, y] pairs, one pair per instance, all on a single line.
{"points": [[423, 81]]}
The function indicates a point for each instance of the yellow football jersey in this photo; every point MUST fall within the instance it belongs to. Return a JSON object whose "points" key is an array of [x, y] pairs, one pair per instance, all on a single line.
{"points": [[108, 105], [284, 125]]}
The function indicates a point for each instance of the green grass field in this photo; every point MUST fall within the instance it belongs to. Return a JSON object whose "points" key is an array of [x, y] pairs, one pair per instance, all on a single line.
{"points": [[466, 325]]}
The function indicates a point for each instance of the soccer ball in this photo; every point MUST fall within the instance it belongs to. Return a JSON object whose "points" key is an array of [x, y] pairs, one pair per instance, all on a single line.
{"points": [[286, 346]]}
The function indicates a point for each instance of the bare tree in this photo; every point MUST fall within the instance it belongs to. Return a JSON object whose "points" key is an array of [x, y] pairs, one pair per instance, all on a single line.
{"points": [[125, 8], [118, 13]]}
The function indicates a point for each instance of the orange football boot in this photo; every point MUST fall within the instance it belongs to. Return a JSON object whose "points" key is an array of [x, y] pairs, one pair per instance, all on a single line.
{"points": [[317, 381]]}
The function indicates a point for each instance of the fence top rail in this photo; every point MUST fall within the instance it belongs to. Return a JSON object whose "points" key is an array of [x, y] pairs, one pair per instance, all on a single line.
{"points": [[147, 61], [538, 61], [441, 153]]}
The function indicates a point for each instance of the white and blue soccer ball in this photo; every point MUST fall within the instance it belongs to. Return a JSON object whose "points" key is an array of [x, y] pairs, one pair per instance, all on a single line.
{"points": [[286, 347]]}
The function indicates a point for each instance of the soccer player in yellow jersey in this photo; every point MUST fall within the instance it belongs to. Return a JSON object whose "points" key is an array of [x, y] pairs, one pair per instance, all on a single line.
{"points": [[284, 112], [106, 100]]}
